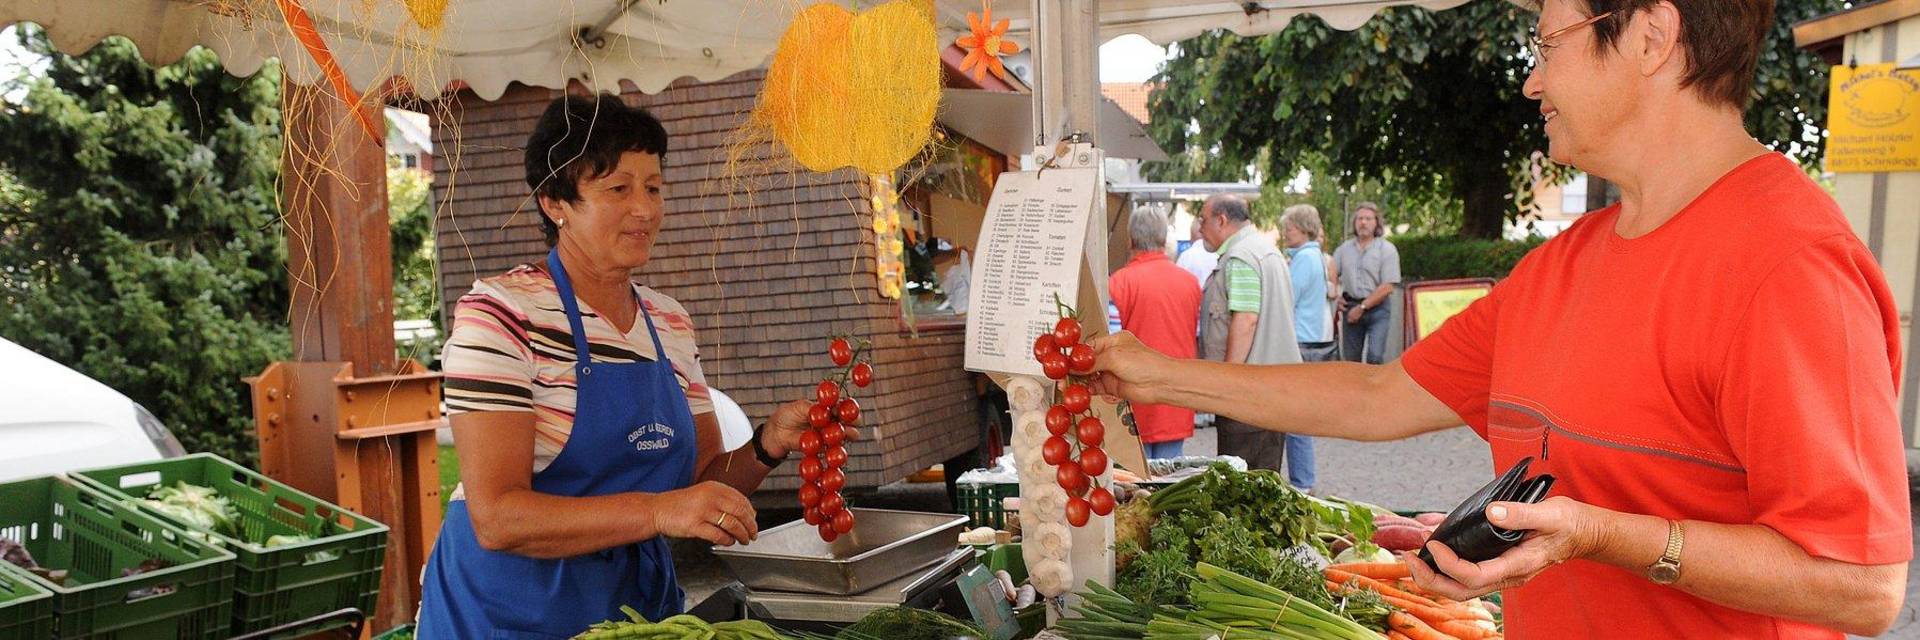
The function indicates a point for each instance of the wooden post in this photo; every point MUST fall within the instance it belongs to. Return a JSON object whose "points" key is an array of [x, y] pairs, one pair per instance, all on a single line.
{"points": [[334, 196], [334, 192]]}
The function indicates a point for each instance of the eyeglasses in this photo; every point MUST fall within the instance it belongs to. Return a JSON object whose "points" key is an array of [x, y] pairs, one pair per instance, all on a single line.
{"points": [[1538, 43]]}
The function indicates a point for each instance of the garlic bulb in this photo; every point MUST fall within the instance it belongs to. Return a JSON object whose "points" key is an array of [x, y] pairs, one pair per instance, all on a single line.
{"points": [[1051, 578], [1026, 394]]}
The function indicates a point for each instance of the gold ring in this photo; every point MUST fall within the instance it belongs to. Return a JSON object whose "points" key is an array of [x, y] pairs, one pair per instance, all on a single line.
{"points": [[722, 522]]}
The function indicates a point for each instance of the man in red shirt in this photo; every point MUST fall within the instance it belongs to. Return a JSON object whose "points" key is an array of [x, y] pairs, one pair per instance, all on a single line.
{"points": [[1160, 303], [1709, 368]]}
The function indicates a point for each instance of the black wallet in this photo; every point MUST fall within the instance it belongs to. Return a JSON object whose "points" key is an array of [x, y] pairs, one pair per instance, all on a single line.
{"points": [[1466, 530]]}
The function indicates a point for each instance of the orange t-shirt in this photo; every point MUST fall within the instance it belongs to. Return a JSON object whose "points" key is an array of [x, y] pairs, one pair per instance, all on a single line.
{"points": [[1160, 303], [1737, 365]]}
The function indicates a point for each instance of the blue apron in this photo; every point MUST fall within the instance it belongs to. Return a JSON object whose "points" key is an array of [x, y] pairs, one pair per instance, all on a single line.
{"points": [[632, 432]]}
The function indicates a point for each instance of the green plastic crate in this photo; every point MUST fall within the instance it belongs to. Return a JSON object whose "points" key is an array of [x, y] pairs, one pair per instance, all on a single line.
{"points": [[339, 568], [67, 526], [26, 610], [981, 503]]}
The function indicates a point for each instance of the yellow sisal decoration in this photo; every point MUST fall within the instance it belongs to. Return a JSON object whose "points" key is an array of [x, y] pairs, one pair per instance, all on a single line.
{"points": [[847, 90], [427, 13]]}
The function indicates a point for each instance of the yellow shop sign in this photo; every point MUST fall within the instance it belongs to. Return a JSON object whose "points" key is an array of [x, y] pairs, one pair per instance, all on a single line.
{"points": [[1873, 119]]}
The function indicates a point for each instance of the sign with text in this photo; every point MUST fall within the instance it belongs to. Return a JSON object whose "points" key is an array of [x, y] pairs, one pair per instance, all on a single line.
{"points": [[1030, 249], [1873, 118]]}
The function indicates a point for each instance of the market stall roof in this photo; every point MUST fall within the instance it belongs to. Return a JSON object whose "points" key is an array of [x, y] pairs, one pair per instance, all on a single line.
{"points": [[998, 120], [487, 44]]}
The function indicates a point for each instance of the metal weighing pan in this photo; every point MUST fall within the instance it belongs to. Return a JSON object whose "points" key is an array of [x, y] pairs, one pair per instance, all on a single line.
{"points": [[883, 546]]}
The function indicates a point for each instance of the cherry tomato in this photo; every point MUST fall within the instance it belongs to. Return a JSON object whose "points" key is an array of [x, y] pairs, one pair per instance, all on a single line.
{"points": [[810, 494], [1090, 431], [843, 521], [827, 392], [1081, 360], [1075, 398], [840, 351], [827, 533], [820, 415], [1077, 511], [849, 412], [810, 469], [1071, 478], [1101, 500], [862, 375], [1056, 450], [1055, 366], [1093, 461], [1066, 332], [1059, 419], [832, 436], [1044, 346], [832, 504], [832, 481], [814, 516], [810, 443], [837, 457]]}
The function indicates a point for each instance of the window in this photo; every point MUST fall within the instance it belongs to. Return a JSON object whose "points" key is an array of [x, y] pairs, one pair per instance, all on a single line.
{"points": [[942, 212]]}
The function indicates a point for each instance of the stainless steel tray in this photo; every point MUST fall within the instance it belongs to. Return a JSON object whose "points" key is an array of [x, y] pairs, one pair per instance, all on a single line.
{"points": [[883, 546]]}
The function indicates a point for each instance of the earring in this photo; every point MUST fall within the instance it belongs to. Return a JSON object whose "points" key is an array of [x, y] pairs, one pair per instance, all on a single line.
{"points": [[560, 224]]}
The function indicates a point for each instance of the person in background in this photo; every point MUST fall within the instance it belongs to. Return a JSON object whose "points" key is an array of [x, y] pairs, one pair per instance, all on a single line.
{"points": [[1246, 311], [1160, 303], [1369, 266], [1199, 259], [1312, 315], [955, 268]]}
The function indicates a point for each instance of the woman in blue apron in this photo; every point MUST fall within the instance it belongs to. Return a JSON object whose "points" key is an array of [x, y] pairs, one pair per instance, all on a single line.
{"points": [[580, 453]]}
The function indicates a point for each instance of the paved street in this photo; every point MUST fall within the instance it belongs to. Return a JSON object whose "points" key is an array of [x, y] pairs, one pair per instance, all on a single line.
{"points": [[1431, 472]]}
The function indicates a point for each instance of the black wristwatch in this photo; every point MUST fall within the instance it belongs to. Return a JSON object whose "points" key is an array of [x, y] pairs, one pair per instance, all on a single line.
{"points": [[760, 450]]}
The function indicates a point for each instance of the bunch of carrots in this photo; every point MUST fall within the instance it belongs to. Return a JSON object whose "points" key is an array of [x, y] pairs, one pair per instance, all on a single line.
{"points": [[1420, 615]]}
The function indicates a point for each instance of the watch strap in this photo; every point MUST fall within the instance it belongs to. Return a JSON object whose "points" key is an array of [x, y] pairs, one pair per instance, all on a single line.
{"points": [[760, 451]]}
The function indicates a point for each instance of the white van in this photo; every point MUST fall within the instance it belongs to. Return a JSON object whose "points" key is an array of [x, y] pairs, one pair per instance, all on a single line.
{"points": [[55, 419]]}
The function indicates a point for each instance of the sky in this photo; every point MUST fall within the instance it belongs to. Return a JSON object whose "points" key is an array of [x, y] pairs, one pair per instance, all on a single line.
{"points": [[1130, 58]]}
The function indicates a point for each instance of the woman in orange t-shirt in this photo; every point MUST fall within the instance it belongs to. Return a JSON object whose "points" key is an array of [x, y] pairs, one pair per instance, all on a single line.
{"points": [[1709, 368]]}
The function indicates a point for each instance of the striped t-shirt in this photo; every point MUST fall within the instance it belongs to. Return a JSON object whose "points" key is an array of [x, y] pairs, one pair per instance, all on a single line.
{"points": [[512, 350], [1243, 282]]}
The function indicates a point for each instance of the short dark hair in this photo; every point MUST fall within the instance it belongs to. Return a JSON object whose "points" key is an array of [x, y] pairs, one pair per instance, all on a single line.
{"points": [[1230, 206], [581, 138], [1722, 39]]}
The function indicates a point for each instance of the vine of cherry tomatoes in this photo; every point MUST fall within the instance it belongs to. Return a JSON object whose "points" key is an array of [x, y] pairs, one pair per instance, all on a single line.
{"points": [[823, 451], [1074, 446]]}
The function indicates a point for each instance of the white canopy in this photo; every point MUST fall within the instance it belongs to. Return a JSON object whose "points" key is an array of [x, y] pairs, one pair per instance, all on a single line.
{"points": [[488, 43]]}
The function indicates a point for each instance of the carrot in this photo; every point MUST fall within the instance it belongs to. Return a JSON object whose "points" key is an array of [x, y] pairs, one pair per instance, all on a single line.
{"points": [[1466, 630], [1430, 614], [1384, 571], [1414, 629], [1395, 635], [1377, 586]]}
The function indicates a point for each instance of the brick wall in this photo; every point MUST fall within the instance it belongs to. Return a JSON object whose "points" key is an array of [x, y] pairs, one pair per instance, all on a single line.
{"points": [[770, 271]]}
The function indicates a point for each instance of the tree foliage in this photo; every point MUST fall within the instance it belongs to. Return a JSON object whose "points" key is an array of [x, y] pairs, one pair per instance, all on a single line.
{"points": [[140, 241], [1417, 99]]}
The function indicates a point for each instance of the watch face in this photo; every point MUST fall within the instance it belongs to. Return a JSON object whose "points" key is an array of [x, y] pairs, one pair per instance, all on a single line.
{"points": [[1664, 573]]}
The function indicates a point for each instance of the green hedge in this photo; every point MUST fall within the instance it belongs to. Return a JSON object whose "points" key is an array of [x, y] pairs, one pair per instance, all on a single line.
{"points": [[1444, 257]]}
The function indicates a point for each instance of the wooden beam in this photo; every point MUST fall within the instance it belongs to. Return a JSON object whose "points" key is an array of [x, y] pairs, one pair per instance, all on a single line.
{"points": [[1840, 24], [334, 191], [339, 257]]}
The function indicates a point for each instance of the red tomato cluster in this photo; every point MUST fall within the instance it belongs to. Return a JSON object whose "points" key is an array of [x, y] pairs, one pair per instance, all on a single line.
{"points": [[1074, 446], [823, 450]]}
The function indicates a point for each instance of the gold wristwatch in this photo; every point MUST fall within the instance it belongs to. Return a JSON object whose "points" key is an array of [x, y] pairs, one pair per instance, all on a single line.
{"points": [[1666, 570]]}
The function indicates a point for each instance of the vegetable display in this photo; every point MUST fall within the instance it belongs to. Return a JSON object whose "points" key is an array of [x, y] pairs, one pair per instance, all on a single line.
{"points": [[823, 450], [676, 628]]}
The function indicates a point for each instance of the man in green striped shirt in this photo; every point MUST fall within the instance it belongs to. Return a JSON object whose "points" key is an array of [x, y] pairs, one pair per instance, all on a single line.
{"points": [[1246, 315]]}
